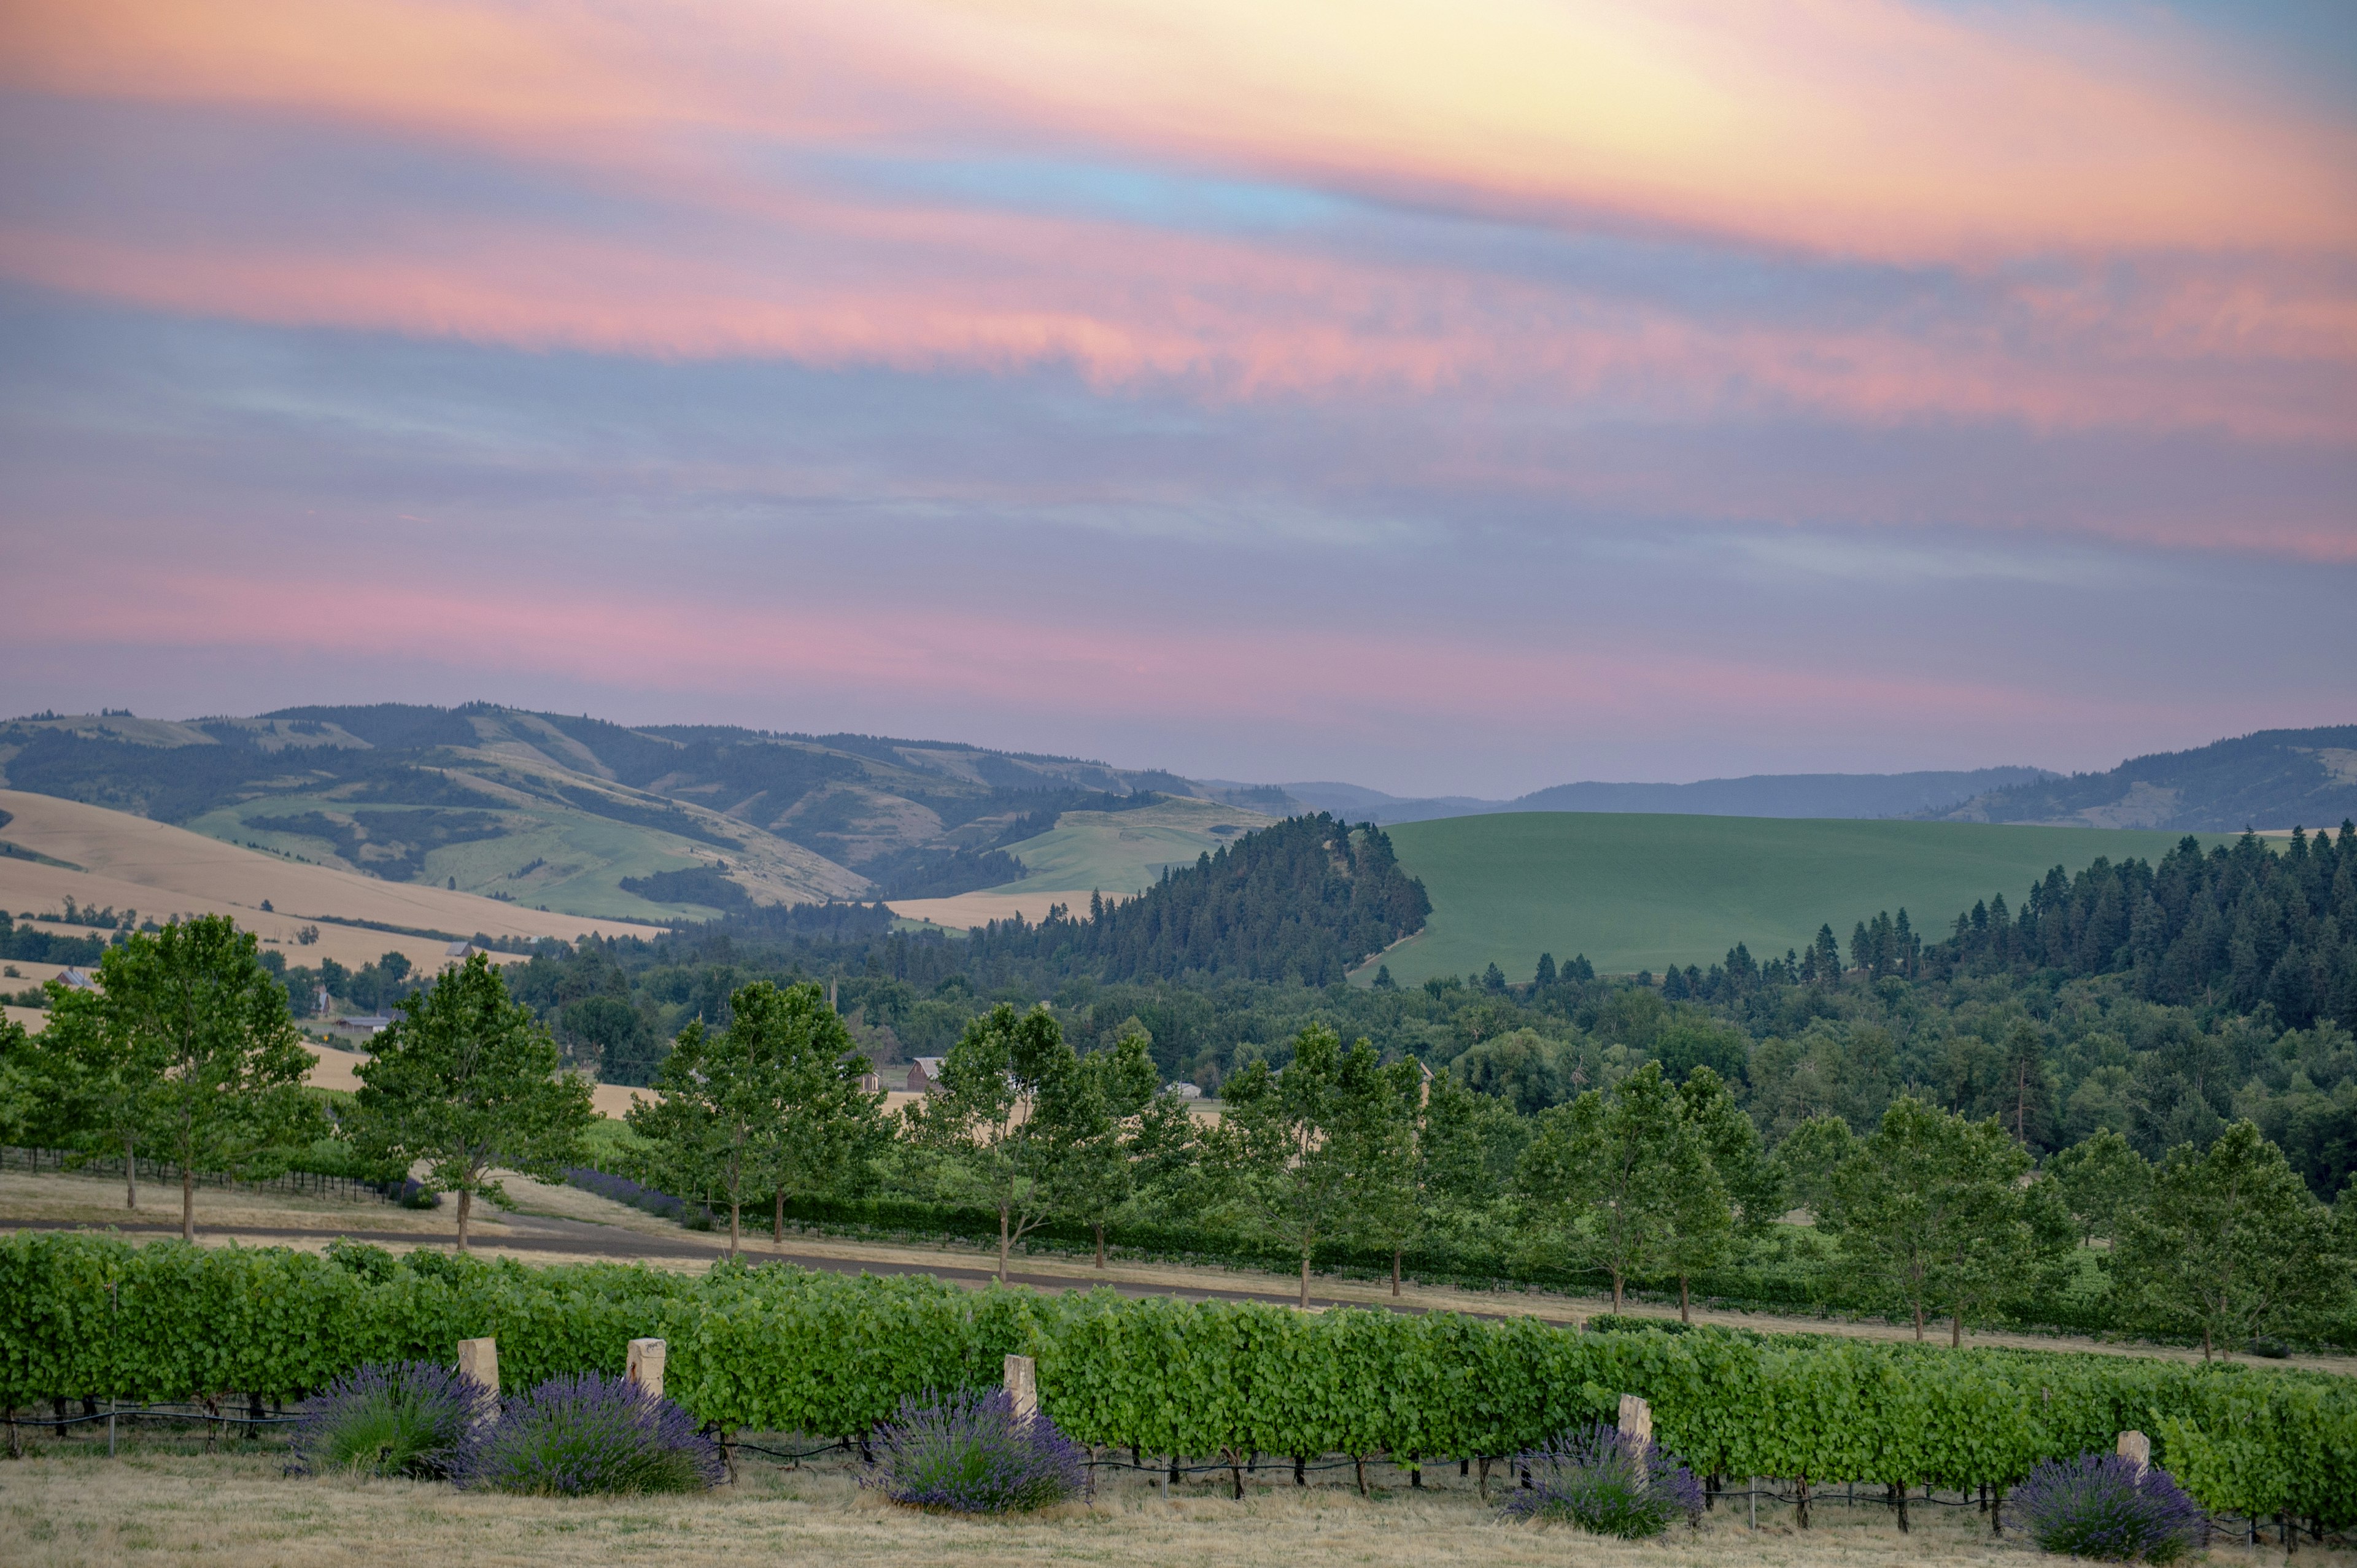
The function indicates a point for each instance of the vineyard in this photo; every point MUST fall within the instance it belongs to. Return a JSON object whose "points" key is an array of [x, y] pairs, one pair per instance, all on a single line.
{"points": [[779, 1350]]}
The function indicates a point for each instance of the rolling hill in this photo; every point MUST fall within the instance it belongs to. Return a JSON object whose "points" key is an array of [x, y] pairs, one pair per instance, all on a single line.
{"points": [[576, 815], [1754, 795], [1634, 891], [56, 850], [1115, 852], [2271, 780]]}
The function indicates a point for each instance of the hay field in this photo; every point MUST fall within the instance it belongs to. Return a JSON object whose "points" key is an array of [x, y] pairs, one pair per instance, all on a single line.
{"points": [[125, 861], [165, 1501], [1113, 853], [1636, 891]]}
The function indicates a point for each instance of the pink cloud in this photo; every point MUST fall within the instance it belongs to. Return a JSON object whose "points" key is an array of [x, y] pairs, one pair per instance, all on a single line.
{"points": [[1080, 667]]}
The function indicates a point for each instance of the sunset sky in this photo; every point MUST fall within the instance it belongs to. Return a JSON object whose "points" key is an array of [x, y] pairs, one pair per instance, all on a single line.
{"points": [[1464, 396]]}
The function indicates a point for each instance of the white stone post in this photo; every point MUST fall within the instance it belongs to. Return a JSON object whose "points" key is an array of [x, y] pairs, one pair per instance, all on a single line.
{"points": [[2135, 1446], [646, 1368], [1636, 1421], [1022, 1378], [479, 1359]]}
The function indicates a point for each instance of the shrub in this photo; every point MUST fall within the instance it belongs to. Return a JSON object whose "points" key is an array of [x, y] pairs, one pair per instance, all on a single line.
{"points": [[1602, 1482], [622, 1190], [972, 1453], [576, 1435], [403, 1418], [2098, 1506]]}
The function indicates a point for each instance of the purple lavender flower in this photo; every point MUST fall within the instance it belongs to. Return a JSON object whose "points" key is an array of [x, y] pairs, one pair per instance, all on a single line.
{"points": [[972, 1453], [576, 1435], [622, 1190], [405, 1418], [1602, 1481], [2098, 1506]]}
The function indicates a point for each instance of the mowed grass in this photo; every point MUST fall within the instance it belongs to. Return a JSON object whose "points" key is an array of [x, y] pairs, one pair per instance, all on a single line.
{"points": [[1637, 892], [71, 1505]]}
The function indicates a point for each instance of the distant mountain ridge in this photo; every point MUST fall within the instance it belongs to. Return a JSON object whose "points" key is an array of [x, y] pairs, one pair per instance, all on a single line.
{"points": [[2270, 778], [577, 814], [1829, 795]]}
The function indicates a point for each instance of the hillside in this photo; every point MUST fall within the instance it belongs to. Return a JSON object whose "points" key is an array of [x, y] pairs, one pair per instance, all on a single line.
{"points": [[577, 815], [2271, 780], [1635, 892], [1837, 795], [62, 856], [1117, 854]]}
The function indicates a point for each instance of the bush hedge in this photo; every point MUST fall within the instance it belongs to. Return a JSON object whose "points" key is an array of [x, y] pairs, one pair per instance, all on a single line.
{"points": [[775, 1349]]}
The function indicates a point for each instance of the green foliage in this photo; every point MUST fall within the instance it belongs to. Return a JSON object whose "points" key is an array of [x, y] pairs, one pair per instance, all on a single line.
{"points": [[1932, 1205], [1304, 900], [770, 1106], [1014, 1115], [465, 1082], [2232, 1243], [780, 1349], [185, 1052], [1300, 1153], [1625, 1182]]}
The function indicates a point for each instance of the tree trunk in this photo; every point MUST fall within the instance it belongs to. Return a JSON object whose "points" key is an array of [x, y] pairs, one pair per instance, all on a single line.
{"points": [[1957, 1330], [778, 1219], [466, 1203], [1685, 1315], [1616, 1293], [1919, 1320], [1304, 1279], [188, 1204], [1002, 1243], [130, 1172], [735, 1209], [1901, 1490], [1395, 1261], [1101, 1243], [1800, 1503], [2205, 1344]]}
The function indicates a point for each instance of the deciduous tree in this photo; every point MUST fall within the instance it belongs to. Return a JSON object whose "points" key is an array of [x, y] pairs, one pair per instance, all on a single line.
{"points": [[2231, 1244], [465, 1081], [186, 1049]]}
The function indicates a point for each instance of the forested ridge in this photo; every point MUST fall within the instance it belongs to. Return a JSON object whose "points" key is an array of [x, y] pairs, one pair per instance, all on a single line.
{"points": [[1305, 900]]}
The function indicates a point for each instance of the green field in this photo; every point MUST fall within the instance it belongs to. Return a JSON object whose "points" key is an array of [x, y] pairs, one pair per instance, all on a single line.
{"points": [[1126, 852], [1643, 892]]}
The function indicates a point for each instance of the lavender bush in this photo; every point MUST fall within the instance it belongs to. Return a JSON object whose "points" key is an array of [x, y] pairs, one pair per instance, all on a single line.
{"points": [[622, 1190], [406, 1418], [576, 1435], [1604, 1483], [2098, 1506], [971, 1453]]}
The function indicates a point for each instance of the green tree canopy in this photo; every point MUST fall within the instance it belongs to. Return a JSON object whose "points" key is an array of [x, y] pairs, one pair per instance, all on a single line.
{"points": [[2103, 1179], [1290, 1146], [1105, 1133], [1012, 1111], [186, 1049], [2231, 1242], [1618, 1180], [771, 1104], [465, 1081], [1932, 1205]]}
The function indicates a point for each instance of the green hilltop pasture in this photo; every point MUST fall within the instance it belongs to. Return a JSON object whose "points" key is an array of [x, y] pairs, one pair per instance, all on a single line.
{"points": [[1126, 852], [1637, 892]]}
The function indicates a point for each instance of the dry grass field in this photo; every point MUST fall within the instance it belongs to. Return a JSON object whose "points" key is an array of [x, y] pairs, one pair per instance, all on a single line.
{"points": [[120, 860], [162, 1501]]}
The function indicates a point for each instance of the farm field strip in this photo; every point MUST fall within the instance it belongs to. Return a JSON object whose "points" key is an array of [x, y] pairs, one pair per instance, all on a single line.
{"points": [[1634, 891]]}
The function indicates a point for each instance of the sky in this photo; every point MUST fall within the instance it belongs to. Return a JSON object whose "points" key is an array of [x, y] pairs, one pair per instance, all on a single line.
{"points": [[1455, 396]]}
